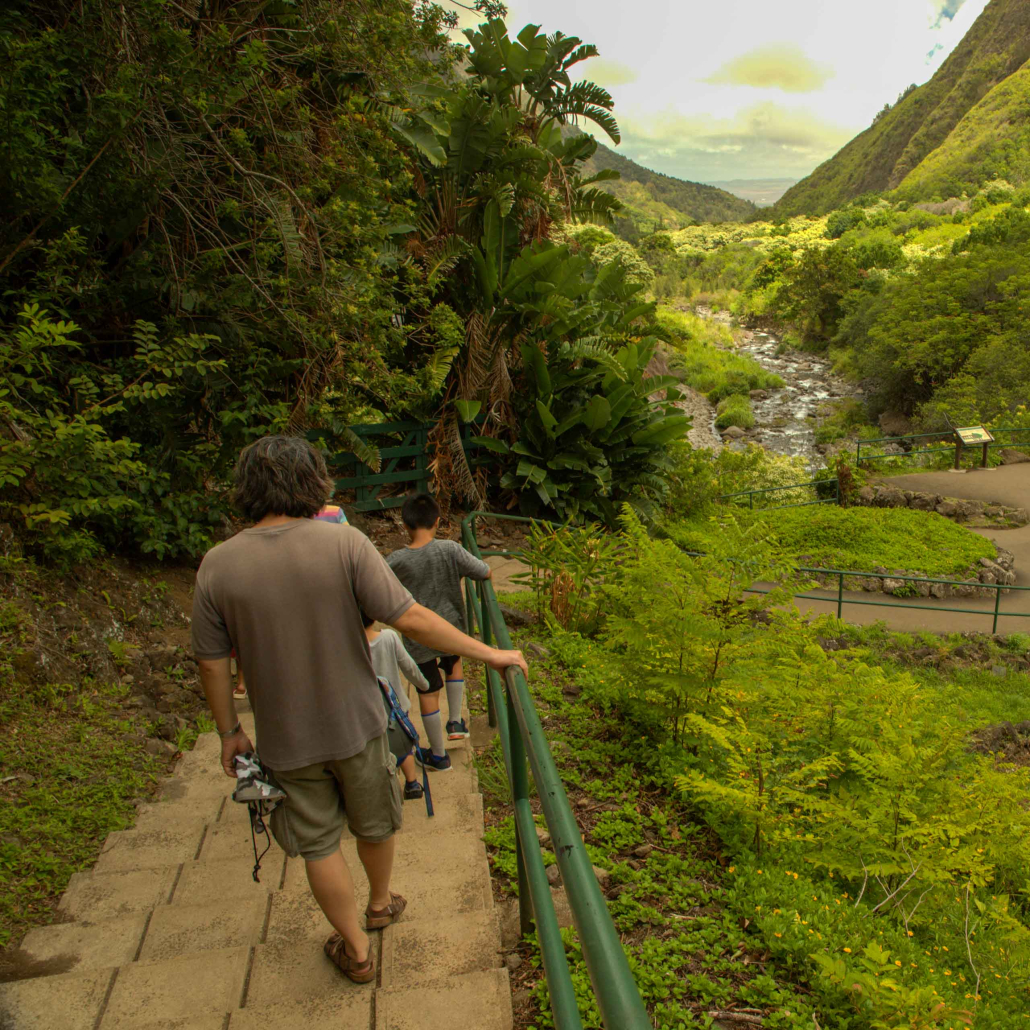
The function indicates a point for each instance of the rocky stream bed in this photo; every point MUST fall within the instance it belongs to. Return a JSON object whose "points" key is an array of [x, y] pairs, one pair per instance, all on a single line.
{"points": [[784, 418]]}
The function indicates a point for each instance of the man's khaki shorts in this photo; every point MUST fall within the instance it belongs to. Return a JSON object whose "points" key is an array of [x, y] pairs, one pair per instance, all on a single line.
{"points": [[361, 791]]}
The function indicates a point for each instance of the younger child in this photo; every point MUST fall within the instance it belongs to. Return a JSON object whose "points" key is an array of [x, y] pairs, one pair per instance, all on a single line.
{"points": [[388, 659], [433, 570]]}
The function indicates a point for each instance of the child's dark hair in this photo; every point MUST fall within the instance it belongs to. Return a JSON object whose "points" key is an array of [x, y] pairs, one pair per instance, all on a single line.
{"points": [[366, 620], [420, 511]]}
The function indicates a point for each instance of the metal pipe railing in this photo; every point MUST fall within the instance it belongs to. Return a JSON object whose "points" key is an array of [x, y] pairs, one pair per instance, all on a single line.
{"points": [[523, 740]]}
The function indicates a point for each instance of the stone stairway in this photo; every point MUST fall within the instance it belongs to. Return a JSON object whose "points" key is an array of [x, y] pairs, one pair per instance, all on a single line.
{"points": [[168, 931]]}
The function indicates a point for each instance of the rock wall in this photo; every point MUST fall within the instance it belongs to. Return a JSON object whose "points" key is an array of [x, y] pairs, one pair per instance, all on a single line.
{"points": [[973, 513], [976, 581]]}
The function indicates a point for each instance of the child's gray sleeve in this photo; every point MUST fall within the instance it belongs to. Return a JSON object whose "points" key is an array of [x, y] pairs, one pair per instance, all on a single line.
{"points": [[409, 667], [469, 565]]}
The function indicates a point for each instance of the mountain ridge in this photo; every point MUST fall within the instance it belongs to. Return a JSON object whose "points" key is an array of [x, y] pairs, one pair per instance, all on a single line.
{"points": [[651, 197], [894, 147]]}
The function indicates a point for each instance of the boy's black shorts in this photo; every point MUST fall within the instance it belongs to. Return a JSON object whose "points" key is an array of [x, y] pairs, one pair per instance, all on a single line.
{"points": [[431, 671]]}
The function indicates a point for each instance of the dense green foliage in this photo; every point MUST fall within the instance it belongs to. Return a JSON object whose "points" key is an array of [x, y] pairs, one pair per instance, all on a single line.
{"points": [[927, 308], [871, 851], [197, 224], [955, 132], [256, 219]]}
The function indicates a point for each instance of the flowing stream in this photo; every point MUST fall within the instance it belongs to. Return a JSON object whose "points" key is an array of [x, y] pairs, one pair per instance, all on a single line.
{"points": [[784, 418]]}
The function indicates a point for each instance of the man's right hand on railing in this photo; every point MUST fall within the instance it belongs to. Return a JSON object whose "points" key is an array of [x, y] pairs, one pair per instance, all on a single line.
{"points": [[426, 627]]}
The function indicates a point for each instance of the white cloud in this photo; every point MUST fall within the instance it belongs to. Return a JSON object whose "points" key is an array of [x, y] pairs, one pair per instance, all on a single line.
{"points": [[759, 141], [775, 66]]}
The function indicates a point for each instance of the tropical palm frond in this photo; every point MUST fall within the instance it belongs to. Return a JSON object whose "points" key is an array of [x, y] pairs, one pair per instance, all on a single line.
{"points": [[438, 368], [286, 228], [445, 256], [594, 349], [367, 453]]}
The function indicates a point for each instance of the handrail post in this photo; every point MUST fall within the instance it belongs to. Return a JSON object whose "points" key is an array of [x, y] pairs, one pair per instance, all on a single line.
{"points": [[470, 608], [840, 596], [751, 500], [487, 638], [520, 792], [997, 606]]}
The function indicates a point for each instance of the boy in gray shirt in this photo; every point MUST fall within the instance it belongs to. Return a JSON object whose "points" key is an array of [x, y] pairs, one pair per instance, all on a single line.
{"points": [[432, 570]]}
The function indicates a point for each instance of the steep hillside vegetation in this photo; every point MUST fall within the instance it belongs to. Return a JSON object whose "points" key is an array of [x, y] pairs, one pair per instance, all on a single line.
{"points": [[880, 158], [991, 142], [650, 197]]}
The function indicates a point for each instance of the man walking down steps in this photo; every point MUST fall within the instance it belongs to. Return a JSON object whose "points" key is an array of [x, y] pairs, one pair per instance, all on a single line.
{"points": [[287, 594]]}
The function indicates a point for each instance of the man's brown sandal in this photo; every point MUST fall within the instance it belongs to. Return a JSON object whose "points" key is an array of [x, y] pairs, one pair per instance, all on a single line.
{"points": [[377, 918], [359, 972]]}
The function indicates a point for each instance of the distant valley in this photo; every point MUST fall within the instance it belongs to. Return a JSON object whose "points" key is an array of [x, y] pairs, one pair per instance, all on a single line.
{"points": [[761, 192]]}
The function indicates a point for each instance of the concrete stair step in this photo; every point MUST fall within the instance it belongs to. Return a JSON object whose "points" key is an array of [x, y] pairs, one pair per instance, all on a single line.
{"points": [[441, 884], [430, 951], [98, 896], [69, 1002], [126, 850], [177, 930], [209, 1022], [454, 814], [229, 879], [197, 784], [347, 1007], [81, 947], [187, 991], [481, 1001]]}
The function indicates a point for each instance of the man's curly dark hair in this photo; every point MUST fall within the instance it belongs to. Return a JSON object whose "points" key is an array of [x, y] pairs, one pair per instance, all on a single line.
{"points": [[281, 475]]}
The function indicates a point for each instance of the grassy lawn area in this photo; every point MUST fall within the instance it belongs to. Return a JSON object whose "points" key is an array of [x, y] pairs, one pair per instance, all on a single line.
{"points": [[74, 750], [73, 766], [830, 537]]}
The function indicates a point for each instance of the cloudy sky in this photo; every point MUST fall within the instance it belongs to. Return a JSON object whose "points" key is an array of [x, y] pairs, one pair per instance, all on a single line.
{"points": [[747, 89]]}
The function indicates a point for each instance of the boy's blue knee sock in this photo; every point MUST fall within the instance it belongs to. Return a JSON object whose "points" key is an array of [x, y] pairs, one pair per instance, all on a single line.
{"points": [[455, 697], [434, 731]]}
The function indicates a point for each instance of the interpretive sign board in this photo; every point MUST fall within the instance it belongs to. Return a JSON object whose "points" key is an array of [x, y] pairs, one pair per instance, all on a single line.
{"points": [[974, 434]]}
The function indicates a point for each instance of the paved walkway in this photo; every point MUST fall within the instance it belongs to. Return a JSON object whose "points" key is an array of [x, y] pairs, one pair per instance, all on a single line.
{"points": [[169, 932], [1007, 484]]}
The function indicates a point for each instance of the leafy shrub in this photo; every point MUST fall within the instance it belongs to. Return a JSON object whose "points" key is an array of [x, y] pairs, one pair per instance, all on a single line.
{"points": [[843, 220], [591, 437], [734, 410], [699, 477], [71, 476]]}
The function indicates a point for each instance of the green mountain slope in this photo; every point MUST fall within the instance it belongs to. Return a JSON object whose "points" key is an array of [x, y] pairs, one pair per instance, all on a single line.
{"points": [[890, 150], [991, 142], [651, 197]]}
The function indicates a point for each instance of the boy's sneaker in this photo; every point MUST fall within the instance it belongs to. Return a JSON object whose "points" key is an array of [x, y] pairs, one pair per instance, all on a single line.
{"points": [[457, 730], [412, 791], [434, 763]]}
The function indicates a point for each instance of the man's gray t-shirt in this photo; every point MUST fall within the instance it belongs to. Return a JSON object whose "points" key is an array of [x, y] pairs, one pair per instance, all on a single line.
{"points": [[433, 573], [287, 598]]}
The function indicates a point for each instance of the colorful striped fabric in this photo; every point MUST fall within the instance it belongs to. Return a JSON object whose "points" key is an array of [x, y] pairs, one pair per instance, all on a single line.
{"points": [[331, 513]]}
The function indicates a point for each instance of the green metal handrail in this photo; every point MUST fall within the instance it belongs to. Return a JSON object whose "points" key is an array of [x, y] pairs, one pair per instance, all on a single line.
{"points": [[511, 710], [750, 494]]}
